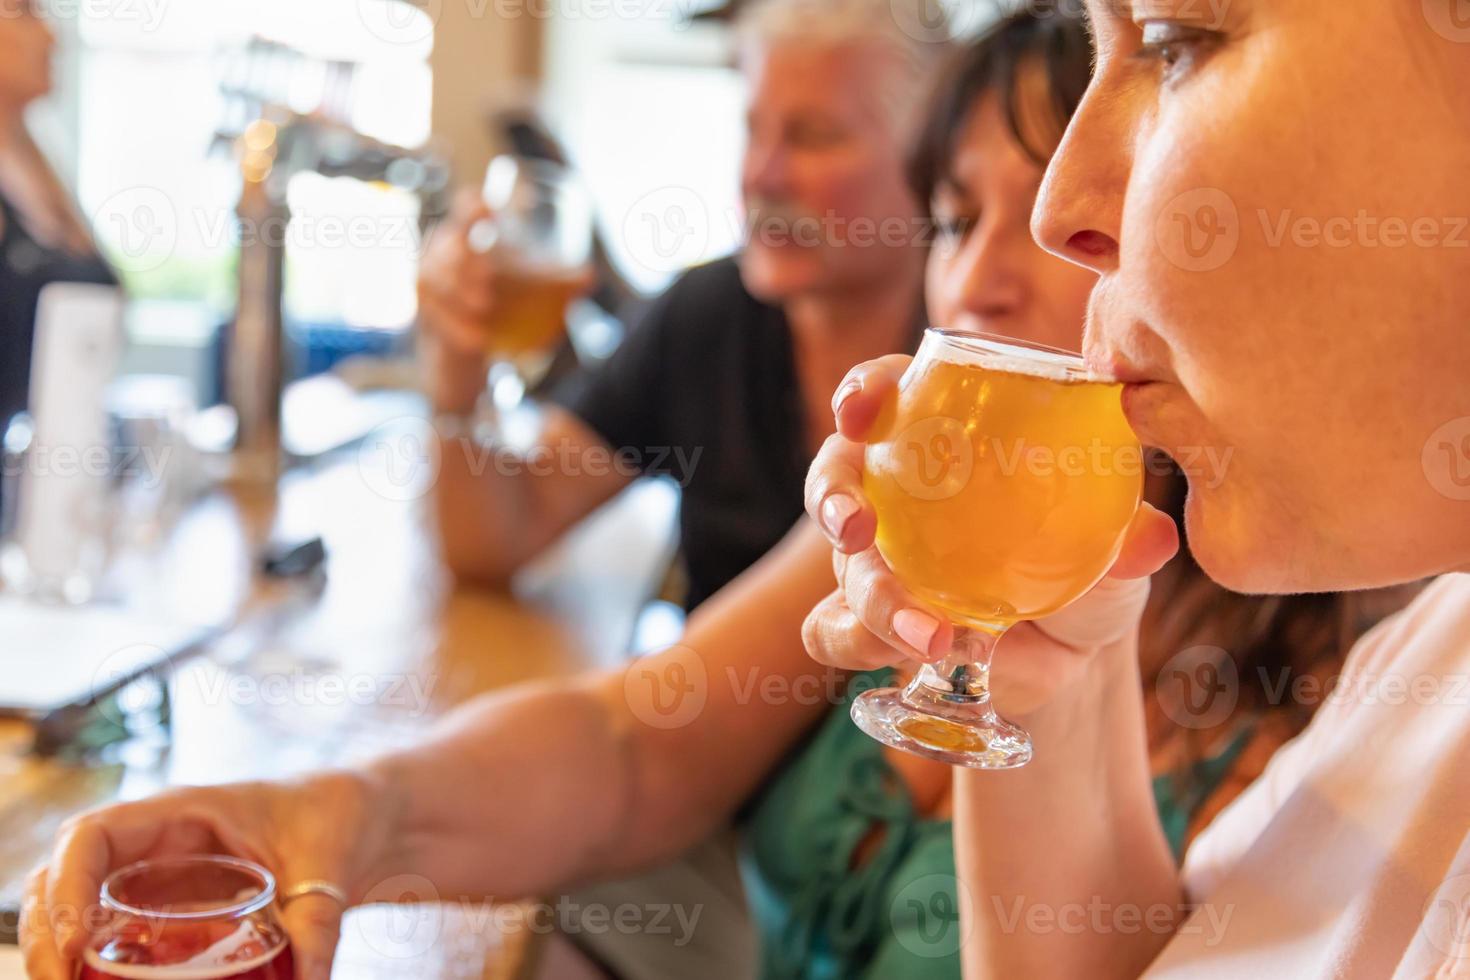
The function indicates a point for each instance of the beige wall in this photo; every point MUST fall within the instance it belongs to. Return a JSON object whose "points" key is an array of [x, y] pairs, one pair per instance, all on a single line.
{"points": [[480, 61]]}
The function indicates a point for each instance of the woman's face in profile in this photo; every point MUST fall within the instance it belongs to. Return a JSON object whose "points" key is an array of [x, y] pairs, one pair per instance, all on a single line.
{"points": [[27, 41], [1275, 194], [985, 272]]}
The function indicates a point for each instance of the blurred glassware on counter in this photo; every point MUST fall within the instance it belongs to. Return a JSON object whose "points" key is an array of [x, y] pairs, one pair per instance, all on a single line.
{"points": [[156, 468], [58, 463]]}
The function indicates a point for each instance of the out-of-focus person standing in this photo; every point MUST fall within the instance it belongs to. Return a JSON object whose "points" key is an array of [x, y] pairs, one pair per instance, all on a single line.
{"points": [[724, 384], [43, 238]]}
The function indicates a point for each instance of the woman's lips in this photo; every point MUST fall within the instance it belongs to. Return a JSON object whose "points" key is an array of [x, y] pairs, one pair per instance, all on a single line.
{"points": [[1141, 401]]}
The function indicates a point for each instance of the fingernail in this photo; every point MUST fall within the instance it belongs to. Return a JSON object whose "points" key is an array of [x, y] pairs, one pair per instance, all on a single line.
{"points": [[848, 389], [837, 510], [915, 628]]}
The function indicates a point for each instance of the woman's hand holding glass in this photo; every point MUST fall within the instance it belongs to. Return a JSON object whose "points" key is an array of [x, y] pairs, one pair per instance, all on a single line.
{"points": [[873, 621], [331, 827]]}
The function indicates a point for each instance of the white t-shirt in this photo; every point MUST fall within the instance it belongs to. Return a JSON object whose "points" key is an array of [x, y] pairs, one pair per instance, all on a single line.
{"points": [[1350, 856]]}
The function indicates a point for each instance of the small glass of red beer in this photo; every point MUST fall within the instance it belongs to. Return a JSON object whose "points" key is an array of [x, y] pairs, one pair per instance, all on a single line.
{"points": [[189, 918]]}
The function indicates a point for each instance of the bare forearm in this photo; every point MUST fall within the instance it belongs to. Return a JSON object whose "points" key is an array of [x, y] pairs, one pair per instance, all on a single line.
{"points": [[1065, 866], [486, 518], [515, 794], [498, 507], [528, 790]]}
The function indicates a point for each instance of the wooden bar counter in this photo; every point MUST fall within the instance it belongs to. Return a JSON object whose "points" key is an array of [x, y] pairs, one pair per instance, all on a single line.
{"points": [[384, 648]]}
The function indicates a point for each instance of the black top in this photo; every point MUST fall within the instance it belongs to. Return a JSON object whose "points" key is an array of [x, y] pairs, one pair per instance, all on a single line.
{"points": [[704, 390], [26, 266]]}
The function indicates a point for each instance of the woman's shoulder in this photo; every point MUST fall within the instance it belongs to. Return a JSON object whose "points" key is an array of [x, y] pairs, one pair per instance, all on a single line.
{"points": [[1433, 628], [708, 297]]}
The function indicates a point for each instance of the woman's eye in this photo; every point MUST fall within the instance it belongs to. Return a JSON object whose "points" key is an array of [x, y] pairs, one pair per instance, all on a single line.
{"points": [[1175, 46]]}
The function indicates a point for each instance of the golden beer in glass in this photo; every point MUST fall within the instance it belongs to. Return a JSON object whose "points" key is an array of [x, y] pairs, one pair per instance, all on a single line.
{"points": [[540, 237], [531, 310], [1004, 478]]}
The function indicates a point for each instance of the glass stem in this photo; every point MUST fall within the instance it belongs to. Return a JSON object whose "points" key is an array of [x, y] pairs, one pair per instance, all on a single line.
{"points": [[963, 677], [489, 419]]}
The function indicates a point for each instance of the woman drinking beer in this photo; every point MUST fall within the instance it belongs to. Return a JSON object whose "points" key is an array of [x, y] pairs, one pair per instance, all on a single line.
{"points": [[1331, 367], [849, 843]]}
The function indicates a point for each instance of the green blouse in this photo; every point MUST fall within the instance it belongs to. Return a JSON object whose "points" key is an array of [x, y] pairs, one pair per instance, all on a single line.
{"points": [[895, 916]]}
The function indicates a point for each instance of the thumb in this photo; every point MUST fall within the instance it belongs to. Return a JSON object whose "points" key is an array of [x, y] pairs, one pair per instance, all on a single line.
{"points": [[314, 923], [1152, 539], [1115, 605]]}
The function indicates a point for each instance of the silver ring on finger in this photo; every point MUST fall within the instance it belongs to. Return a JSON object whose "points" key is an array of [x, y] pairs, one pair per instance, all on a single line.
{"points": [[315, 886]]}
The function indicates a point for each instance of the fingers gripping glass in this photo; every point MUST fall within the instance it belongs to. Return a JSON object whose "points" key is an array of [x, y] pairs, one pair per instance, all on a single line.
{"points": [[1004, 479], [189, 918], [540, 238]]}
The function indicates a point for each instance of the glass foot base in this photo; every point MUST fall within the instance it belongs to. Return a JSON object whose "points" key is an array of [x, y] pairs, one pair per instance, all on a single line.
{"points": [[958, 730]]}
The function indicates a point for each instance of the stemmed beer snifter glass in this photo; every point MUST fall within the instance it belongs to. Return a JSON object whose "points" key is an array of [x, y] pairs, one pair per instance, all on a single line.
{"points": [[1004, 477]]}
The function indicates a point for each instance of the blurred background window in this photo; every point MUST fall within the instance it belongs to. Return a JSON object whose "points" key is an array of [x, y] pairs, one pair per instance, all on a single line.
{"points": [[643, 97], [140, 96], [653, 114]]}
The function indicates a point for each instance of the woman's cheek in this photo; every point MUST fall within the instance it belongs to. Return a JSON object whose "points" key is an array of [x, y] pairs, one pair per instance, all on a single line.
{"points": [[939, 292]]}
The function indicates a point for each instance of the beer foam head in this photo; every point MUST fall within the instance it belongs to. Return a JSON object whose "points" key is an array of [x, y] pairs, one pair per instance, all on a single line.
{"points": [[1004, 354]]}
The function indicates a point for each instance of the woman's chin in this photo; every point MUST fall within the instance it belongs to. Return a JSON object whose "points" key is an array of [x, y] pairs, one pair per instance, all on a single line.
{"points": [[1240, 553], [775, 274]]}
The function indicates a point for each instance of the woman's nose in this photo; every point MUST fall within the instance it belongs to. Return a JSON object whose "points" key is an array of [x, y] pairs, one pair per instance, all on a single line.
{"points": [[1079, 211], [990, 283]]}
